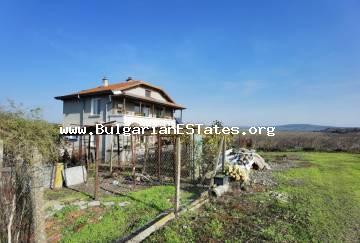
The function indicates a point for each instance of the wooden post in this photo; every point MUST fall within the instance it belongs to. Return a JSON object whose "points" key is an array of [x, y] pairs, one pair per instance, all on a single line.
{"points": [[146, 155], [133, 159], [124, 104], [217, 160], [88, 153], [158, 155], [178, 175], [118, 150], [111, 153], [174, 164], [193, 157], [73, 150], [223, 156], [96, 189], [80, 147], [1, 156], [37, 200]]}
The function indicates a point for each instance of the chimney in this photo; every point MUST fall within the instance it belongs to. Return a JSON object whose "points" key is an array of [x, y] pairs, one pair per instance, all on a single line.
{"points": [[129, 79], [105, 82]]}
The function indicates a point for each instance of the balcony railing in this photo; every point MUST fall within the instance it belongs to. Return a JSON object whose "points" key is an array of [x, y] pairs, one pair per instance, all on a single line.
{"points": [[128, 120]]}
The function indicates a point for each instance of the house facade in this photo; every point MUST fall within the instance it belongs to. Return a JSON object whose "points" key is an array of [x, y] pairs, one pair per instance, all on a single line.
{"points": [[132, 102]]}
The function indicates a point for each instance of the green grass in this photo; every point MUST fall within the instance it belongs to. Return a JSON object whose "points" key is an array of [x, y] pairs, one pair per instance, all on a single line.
{"points": [[61, 214], [117, 222], [64, 195], [329, 191], [322, 205]]}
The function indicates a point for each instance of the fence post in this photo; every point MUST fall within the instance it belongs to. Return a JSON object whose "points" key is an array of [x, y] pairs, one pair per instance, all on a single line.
{"points": [[111, 153], [1, 156], [177, 175], [133, 157], [96, 191], [158, 155], [118, 149], [37, 200], [146, 155], [223, 156], [220, 149]]}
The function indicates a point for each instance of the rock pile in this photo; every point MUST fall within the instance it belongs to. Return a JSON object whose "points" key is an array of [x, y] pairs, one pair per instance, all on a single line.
{"points": [[239, 162]]}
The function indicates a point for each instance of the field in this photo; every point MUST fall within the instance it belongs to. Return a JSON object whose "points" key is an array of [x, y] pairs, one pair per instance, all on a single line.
{"points": [[313, 197]]}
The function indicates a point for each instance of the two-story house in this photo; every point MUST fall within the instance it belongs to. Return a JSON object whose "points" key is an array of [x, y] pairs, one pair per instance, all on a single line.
{"points": [[132, 102]]}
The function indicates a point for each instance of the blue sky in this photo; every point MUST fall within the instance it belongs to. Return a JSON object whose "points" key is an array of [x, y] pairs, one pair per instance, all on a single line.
{"points": [[242, 62]]}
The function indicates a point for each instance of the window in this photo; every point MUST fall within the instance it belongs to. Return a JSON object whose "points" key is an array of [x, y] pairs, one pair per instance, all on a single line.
{"points": [[147, 93], [137, 108], [145, 110], [95, 106], [118, 107], [159, 111]]}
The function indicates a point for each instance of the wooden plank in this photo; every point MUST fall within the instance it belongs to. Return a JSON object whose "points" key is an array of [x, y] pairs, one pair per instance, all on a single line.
{"points": [[142, 233]]}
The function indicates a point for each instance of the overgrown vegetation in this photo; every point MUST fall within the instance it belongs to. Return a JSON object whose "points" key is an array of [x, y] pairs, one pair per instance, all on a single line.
{"points": [[23, 130], [319, 202], [22, 133], [210, 150]]}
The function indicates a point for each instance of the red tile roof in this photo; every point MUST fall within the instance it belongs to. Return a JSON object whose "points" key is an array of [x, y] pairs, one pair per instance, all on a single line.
{"points": [[111, 87], [117, 87]]}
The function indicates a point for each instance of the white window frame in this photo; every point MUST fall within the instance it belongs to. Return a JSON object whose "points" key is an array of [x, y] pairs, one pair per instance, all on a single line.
{"points": [[95, 106]]}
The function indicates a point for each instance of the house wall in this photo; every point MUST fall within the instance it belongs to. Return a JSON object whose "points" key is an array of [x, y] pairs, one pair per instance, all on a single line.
{"points": [[140, 91], [71, 112]]}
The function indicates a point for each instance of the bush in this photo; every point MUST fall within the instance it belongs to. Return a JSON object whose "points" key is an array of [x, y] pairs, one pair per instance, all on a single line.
{"points": [[23, 131]]}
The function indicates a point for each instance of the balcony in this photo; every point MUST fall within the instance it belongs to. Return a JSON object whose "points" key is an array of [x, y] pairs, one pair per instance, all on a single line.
{"points": [[141, 120]]}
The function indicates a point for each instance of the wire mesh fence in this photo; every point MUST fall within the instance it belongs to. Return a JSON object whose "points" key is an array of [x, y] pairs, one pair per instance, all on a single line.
{"points": [[150, 160]]}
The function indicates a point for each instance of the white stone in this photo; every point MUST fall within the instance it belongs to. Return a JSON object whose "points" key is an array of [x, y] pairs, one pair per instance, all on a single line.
{"points": [[108, 204], [94, 204], [58, 207], [82, 207], [123, 204]]}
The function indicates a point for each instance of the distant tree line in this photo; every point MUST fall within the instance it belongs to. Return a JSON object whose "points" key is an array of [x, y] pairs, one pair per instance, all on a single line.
{"points": [[303, 141]]}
